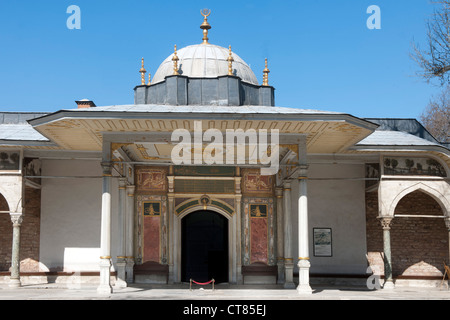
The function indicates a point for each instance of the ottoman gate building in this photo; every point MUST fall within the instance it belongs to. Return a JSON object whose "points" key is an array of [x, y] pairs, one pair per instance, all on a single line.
{"points": [[125, 194]]}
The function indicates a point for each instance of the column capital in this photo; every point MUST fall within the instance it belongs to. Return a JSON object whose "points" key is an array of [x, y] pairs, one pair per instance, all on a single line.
{"points": [[106, 167], [302, 171], [279, 192], [385, 222], [130, 190], [16, 219], [287, 184], [171, 183], [447, 223], [122, 183]]}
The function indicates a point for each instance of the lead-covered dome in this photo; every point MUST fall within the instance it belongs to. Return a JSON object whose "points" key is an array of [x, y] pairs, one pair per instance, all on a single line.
{"points": [[205, 61]]}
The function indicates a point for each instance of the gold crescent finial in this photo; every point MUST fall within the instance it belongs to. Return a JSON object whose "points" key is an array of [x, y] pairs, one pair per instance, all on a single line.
{"points": [[175, 61], [205, 26], [142, 71], [230, 62], [266, 75], [205, 12]]}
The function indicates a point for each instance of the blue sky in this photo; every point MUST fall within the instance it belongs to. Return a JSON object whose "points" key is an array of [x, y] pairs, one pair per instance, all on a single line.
{"points": [[321, 53]]}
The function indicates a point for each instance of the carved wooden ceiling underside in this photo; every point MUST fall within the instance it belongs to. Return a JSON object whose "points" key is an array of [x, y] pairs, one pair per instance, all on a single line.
{"points": [[87, 134]]}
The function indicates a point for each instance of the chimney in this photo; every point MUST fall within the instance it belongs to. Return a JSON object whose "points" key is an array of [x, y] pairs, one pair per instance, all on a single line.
{"points": [[85, 103]]}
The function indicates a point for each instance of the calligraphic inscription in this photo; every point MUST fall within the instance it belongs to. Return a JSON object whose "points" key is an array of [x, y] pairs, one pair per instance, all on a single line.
{"points": [[204, 171], [258, 210], [151, 208]]}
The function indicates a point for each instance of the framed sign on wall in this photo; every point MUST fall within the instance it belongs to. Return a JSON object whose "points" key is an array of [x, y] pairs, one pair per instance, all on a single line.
{"points": [[322, 242]]}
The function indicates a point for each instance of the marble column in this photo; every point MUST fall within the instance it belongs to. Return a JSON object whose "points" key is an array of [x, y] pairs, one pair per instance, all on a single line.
{"points": [[280, 235], [16, 219], [303, 235], [105, 237], [129, 243], [129, 236], [447, 224], [239, 277], [388, 280], [171, 255], [288, 258], [121, 258], [237, 220], [171, 252]]}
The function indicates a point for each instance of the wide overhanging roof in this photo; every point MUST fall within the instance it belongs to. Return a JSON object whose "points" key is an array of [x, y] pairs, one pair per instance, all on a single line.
{"points": [[83, 129]]}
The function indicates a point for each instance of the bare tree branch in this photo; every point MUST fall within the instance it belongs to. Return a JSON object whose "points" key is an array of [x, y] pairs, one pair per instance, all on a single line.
{"points": [[435, 62], [436, 117]]}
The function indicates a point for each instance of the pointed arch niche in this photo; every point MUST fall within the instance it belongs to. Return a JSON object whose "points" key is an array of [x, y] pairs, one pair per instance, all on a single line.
{"points": [[419, 237], [418, 231], [5, 235]]}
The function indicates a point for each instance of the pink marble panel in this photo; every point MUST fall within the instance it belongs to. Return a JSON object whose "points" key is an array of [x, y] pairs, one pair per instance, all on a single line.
{"points": [[151, 239], [258, 240]]}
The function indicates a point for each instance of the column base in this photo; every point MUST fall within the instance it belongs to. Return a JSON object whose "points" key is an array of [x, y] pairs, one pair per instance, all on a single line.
{"points": [[303, 277], [304, 289], [389, 285], [121, 274], [105, 277], [239, 277], [280, 266], [14, 283], [289, 276], [130, 270]]}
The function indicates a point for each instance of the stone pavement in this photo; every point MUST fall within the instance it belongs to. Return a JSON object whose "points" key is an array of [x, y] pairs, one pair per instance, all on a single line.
{"points": [[221, 292]]}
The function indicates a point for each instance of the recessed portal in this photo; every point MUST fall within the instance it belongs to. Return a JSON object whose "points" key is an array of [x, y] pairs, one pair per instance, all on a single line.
{"points": [[204, 253]]}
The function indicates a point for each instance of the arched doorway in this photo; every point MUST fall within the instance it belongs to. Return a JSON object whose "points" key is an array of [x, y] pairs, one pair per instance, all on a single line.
{"points": [[419, 237], [5, 235], [204, 252]]}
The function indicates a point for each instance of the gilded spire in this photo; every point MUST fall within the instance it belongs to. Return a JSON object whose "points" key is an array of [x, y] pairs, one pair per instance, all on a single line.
{"points": [[205, 26], [175, 61], [142, 71], [149, 79], [266, 75], [230, 62]]}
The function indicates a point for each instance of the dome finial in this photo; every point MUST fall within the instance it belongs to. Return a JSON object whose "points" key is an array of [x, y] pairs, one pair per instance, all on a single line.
{"points": [[205, 25], [230, 62], [142, 71], [175, 61], [266, 75]]}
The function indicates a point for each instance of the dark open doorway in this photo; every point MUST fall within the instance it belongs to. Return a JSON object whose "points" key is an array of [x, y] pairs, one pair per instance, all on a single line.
{"points": [[204, 252]]}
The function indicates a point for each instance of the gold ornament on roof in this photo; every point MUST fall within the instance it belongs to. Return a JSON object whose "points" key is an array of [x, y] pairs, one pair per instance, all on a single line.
{"points": [[142, 71], [175, 61], [266, 75], [149, 79], [205, 26], [230, 62]]}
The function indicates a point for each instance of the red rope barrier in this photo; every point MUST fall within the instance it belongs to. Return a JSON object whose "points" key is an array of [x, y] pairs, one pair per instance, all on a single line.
{"points": [[201, 283]]}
